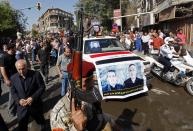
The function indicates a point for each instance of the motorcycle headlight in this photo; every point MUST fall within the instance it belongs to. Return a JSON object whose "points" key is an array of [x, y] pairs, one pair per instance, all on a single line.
{"points": [[147, 69]]}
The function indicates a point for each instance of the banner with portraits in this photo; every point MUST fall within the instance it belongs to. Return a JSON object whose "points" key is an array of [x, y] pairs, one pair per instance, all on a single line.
{"points": [[121, 79]]}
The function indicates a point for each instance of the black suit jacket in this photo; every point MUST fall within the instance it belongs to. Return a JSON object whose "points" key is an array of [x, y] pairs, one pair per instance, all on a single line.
{"points": [[110, 88], [35, 88], [128, 83]]}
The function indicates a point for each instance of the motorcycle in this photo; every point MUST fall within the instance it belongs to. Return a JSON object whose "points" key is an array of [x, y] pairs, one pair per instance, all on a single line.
{"points": [[180, 73]]}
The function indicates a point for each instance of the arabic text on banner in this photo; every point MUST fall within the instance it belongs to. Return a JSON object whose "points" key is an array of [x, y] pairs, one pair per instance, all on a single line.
{"points": [[121, 79]]}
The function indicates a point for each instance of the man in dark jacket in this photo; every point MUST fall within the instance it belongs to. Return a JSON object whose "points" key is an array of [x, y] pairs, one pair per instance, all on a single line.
{"points": [[133, 81], [3, 126], [27, 89], [43, 58], [7, 67], [112, 84]]}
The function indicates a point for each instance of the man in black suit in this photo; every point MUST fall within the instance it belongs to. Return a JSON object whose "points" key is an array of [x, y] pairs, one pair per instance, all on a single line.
{"points": [[43, 59], [112, 82], [133, 81], [3, 126], [27, 89]]}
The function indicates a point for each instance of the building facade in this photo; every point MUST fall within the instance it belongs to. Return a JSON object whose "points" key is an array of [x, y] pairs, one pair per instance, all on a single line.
{"points": [[168, 15], [55, 20]]}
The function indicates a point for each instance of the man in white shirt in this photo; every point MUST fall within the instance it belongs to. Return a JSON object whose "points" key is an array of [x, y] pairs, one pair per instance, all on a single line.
{"points": [[167, 52], [18, 34], [145, 39], [128, 42], [161, 34], [167, 39]]}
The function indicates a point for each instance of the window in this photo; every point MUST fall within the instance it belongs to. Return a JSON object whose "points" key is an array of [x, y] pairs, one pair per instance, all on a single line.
{"points": [[102, 45]]}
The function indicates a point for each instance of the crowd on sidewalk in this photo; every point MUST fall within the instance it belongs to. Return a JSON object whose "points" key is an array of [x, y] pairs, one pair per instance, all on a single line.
{"points": [[146, 41]]}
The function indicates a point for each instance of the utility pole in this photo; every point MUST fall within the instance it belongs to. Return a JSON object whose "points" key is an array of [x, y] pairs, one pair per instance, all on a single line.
{"points": [[138, 17], [52, 4], [120, 17]]}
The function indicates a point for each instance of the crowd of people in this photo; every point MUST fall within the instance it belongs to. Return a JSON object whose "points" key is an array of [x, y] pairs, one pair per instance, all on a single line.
{"points": [[26, 86], [150, 40], [165, 45], [17, 61]]}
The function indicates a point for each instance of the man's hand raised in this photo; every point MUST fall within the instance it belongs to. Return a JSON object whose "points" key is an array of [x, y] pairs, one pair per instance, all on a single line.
{"points": [[78, 117]]}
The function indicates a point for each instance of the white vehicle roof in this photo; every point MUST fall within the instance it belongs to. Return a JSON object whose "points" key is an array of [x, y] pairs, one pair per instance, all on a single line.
{"points": [[98, 37]]}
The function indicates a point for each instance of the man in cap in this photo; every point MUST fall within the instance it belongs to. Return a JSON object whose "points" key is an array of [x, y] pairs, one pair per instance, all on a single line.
{"points": [[167, 52]]}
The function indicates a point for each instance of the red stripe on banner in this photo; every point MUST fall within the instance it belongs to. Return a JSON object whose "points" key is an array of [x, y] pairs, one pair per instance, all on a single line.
{"points": [[110, 53]]}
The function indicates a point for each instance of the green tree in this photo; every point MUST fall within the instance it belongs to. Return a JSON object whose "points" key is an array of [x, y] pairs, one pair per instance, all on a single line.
{"points": [[103, 10], [10, 20], [35, 33]]}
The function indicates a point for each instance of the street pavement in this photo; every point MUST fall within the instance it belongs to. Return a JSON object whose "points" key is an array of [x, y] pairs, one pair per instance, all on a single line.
{"points": [[165, 108]]}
